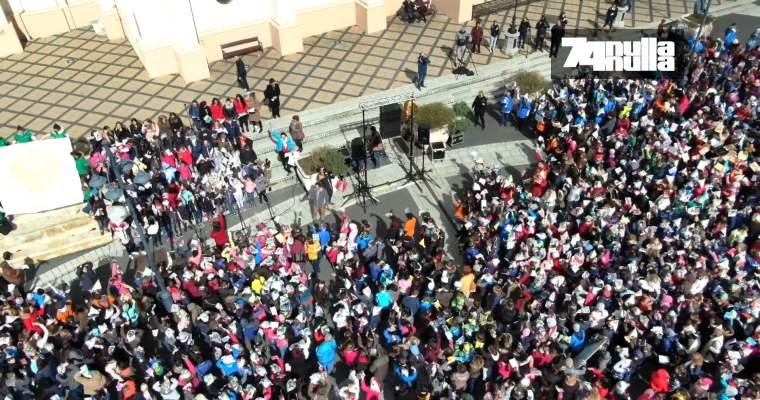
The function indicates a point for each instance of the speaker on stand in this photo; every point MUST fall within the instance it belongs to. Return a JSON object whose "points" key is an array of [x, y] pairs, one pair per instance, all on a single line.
{"points": [[423, 134], [390, 121]]}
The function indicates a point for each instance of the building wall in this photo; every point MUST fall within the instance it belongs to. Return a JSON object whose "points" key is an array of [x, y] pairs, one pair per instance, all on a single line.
{"points": [[326, 17], [157, 31]]}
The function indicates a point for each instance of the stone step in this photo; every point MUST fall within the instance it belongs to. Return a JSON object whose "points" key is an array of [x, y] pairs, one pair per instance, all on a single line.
{"points": [[55, 240], [31, 222], [62, 246], [26, 234]]}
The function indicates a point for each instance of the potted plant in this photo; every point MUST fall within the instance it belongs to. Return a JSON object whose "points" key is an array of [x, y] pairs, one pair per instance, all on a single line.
{"points": [[461, 123], [308, 167], [438, 117], [693, 21], [531, 82]]}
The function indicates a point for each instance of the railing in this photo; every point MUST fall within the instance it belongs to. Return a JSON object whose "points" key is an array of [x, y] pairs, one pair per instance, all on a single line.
{"points": [[494, 6]]}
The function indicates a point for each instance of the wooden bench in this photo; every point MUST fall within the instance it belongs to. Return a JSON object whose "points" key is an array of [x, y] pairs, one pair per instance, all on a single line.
{"points": [[241, 47], [403, 15]]}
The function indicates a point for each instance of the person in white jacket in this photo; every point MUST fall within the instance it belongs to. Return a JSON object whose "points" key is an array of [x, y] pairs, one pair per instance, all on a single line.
{"points": [[713, 347]]}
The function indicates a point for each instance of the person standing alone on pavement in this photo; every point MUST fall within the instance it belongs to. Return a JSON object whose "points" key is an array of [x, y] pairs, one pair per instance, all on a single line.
{"points": [[477, 37], [558, 31], [541, 27], [318, 200], [507, 102], [422, 66], [524, 32], [612, 13], [495, 31], [261, 187], [272, 94], [241, 74], [479, 107], [461, 40], [296, 132]]}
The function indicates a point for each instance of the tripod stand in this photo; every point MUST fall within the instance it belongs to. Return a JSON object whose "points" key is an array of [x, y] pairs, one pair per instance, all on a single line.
{"points": [[362, 191], [413, 174], [462, 68]]}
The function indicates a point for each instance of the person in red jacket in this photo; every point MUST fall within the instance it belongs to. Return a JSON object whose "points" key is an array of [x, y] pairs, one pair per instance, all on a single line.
{"points": [[168, 157], [660, 381], [241, 108], [539, 186], [217, 110], [219, 232], [185, 155]]}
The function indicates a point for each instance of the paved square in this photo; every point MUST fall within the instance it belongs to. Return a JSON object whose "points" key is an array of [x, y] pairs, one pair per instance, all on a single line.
{"points": [[82, 81]]}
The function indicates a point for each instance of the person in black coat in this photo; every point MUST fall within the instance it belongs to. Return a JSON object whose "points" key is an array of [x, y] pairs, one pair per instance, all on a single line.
{"points": [[241, 74], [272, 94], [479, 107], [558, 31], [524, 31], [541, 27], [612, 13], [204, 111]]}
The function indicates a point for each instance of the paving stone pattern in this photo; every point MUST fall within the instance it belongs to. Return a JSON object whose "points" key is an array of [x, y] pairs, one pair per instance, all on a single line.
{"points": [[106, 82]]}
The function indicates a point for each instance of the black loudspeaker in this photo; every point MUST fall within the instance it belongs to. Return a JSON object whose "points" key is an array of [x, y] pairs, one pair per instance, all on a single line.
{"points": [[423, 134], [390, 121], [357, 149]]}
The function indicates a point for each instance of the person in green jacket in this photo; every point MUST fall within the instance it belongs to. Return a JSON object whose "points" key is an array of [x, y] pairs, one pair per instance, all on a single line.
{"points": [[82, 165], [58, 133], [22, 135], [3, 142]]}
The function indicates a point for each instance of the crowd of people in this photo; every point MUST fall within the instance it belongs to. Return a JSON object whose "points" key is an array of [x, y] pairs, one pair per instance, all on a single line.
{"points": [[623, 265]]}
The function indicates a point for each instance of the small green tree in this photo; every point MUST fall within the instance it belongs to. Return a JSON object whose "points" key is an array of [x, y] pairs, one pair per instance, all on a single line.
{"points": [[463, 120], [531, 82]]}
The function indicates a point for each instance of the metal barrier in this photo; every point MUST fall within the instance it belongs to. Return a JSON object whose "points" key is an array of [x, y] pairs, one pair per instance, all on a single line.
{"points": [[494, 6]]}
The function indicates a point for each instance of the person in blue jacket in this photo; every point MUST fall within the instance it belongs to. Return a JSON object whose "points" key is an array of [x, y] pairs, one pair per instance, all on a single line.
{"points": [[523, 109], [324, 235], [326, 353], [229, 366], [406, 373], [422, 67], [577, 339], [386, 278], [284, 144], [413, 302], [383, 298], [507, 103], [194, 112], [363, 239]]}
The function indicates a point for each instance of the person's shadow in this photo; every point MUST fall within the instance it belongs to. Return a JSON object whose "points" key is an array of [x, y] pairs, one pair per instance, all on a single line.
{"points": [[411, 75], [381, 226]]}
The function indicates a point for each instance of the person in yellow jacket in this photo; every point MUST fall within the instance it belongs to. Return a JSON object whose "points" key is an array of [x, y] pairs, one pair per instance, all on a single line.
{"points": [[468, 281], [257, 284], [312, 253]]}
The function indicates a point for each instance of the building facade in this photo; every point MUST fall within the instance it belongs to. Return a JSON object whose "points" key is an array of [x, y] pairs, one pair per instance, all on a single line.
{"points": [[184, 36]]}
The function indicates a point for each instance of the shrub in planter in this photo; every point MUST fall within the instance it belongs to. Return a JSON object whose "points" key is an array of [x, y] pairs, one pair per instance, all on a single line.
{"points": [[327, 157], [531, 82], [437, 115]]}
